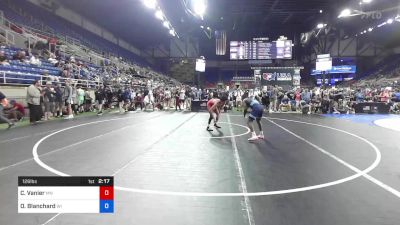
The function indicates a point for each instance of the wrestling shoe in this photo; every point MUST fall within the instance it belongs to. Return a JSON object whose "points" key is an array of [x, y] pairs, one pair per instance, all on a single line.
{"points": [[10, 125], [254, 137]]}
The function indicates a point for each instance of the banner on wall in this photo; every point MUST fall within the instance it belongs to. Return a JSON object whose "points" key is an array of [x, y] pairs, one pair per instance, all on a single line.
{"points": [[281, 76], [337, 70]]}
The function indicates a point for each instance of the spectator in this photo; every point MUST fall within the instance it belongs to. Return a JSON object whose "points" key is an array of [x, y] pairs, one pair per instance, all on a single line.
{"points": [[384, 96], [285, 104], [138, 101], [100, 100], [88, 102], [188, 98], [68, 99], [17, 111], [35, 61], [167, 94], [3, 59], [359, 96], [58, 98], [298, 99], [4, 104], [80, 93], [306, 96], [52, 58], [274, 99], [49, 99], [74, 98], [33, 99], [21, 56]]}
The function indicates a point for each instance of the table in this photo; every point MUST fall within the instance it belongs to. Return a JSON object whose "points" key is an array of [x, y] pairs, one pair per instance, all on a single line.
{"points": [[372, 108], [199, 106]]}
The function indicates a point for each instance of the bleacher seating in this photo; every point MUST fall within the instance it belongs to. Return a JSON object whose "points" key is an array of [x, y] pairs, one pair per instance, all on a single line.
{"points": [[132, 69], [58, 26]]}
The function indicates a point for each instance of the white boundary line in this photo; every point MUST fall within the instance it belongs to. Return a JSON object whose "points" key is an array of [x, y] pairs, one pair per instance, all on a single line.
{"points": [[197, 194], [147, 149], [65, 147], [51, 219], [392, 124], [28, 136], [243, 186], [232, 135], [355, 169]]}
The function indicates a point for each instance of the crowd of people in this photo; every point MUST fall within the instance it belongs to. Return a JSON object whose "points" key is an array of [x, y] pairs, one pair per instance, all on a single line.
{"points": [[50, 99], [323, 100]]}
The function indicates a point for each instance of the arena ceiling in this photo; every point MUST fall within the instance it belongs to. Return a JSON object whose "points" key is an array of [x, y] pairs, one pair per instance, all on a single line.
{"points": [[242, 19]]}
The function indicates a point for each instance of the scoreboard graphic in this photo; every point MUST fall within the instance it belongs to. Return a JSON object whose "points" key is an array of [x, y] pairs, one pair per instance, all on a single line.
{"points": [[65, 195], [260, 50]]}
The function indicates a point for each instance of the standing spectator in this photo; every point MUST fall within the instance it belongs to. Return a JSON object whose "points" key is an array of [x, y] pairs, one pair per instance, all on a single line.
{"points": [[384, 96], [109, 97], [138, 101], [177, 100], [100, 98], [126, 99], [265, 99], [48, 100], [274, 97], [80, 98], [88, 102], [120, 96], [306, 96], [167, 94], [33, 99], [68, 99], [74, 96], [58, 99], [298, 99], [3, 104], [188, 98], [238, 95], [360, 96], [182, 99]]}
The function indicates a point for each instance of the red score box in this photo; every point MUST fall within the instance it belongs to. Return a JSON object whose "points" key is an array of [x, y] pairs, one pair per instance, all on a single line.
{"points": [[107, 193]]}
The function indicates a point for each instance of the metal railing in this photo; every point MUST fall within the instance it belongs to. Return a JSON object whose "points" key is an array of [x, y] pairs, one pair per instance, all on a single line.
{"points": [[19, 79], [7, 36]]}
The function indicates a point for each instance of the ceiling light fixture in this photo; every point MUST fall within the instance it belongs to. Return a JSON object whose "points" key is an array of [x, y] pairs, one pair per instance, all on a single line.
{"points": [[166, 24], [199, 7], [159, 14], [345, 13], [151, 4]]}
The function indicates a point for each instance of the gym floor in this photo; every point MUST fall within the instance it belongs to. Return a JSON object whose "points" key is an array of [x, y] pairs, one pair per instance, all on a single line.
{"points": [[310, 170]]}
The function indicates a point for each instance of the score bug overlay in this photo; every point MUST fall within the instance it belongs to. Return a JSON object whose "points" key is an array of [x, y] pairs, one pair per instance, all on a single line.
{"points": [[65, 195]]}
